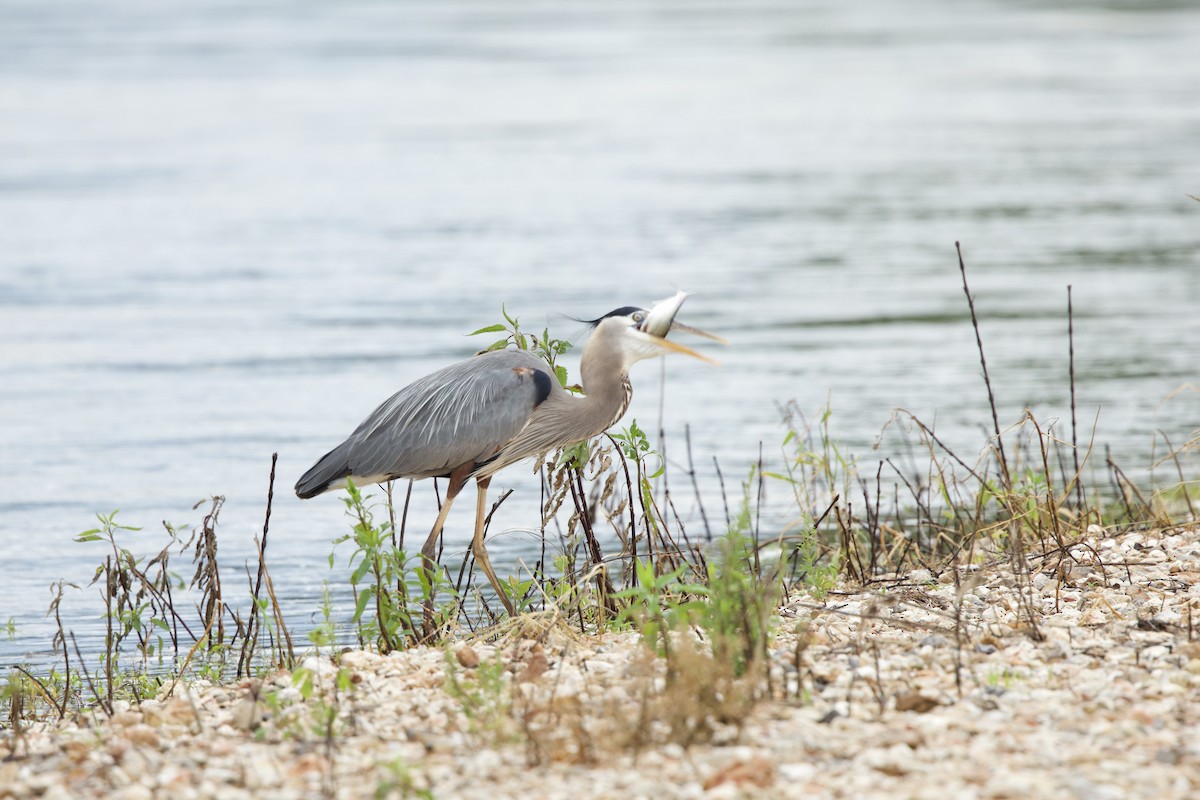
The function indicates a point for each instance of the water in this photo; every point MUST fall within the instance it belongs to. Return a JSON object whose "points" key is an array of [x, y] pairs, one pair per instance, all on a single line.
{"points": [[232, 229]]}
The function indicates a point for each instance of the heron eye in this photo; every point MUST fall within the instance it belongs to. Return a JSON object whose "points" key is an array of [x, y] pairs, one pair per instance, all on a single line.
{"points": [[638, 316]]}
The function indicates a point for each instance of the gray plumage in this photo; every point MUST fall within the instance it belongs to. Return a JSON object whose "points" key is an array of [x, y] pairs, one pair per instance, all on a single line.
{"points": [[465, 412], [476, 417]]}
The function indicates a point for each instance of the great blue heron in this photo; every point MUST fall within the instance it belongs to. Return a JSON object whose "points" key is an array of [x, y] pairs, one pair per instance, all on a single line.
{"points": [[476, 417]]}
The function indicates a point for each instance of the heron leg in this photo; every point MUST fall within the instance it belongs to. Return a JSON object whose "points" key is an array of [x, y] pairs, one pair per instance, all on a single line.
{"points": [[478, 548], [458, 479]]}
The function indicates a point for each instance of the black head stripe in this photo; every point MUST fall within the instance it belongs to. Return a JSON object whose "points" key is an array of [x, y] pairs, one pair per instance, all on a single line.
{"points": [[623, 311]]}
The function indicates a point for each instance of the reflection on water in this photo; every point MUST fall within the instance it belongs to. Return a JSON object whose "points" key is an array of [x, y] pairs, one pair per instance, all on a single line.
{"points": [[233, 229]]}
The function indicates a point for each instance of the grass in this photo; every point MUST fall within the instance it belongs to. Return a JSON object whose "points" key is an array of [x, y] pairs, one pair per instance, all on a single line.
{"points": [[705, 606], [153, 637]]}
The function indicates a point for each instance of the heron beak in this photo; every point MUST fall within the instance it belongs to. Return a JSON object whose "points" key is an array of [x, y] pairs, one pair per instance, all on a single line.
{"points": [[679, 326], [675, 347]]}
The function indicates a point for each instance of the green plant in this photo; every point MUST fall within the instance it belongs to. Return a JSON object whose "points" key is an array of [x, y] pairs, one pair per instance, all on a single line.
{"points": [[713, 640], [816, 571], [1000, 678], [398, 779], [312, 708], [732, 609], [545, 345], [19, 696], [661, 605], [381, 580], [325, 632], [520, 591], [136, 605], [648, 466], [740, 605], [483, 697]]}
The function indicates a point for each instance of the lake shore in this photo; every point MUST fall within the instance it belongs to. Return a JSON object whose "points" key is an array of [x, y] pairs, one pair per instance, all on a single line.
{"points": [[1084, 684]]}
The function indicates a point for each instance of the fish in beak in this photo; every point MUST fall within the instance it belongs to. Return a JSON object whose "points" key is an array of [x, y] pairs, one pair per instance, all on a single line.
{"points": [[660, 321]]}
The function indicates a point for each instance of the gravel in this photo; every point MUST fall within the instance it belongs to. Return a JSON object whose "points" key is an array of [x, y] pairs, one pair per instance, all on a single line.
{"points": [[1078, 679]]}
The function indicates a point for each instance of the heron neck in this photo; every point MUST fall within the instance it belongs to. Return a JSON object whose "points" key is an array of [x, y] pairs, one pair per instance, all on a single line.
{"points": [[606, 386], [563, 419]]}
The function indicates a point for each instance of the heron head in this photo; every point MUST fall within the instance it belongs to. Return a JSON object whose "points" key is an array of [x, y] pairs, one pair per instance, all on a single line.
{"points": [[641, 333]]}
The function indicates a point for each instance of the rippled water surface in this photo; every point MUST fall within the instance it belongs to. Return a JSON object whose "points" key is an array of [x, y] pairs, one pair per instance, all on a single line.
{"points": [[231, 229]]}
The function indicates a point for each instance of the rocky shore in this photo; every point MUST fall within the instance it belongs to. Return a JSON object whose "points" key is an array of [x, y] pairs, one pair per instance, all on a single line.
{"points": [[1078, 679]]}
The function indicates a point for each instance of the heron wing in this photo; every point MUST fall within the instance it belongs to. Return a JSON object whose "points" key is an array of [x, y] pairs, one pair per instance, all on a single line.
{"points": [[463, 413]]}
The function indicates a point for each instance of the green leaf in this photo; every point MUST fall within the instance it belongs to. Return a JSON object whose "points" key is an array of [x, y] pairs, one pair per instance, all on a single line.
{"points": [[302, 679], [361, 604], [497, 328]]}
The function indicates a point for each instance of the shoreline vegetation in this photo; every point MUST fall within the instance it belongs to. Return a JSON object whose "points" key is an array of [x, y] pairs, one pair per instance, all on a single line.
{"points": [[1000, 627]]}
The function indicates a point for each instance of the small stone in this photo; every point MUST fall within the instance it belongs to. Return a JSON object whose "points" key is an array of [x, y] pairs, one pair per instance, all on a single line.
{"points": [[117, 748], [57, 792], [261, 772], [915, 701], [467, 656], [673, 750], [142, 735], [309, 763], [77, 750], [1156, 624], [893, 761], [489, 762], [1056, 651], [122, 719], [289, 695], [536, 668], [133, 791], [797, 771], [221, 748], [357, 659], [176, 711], [246, 715], [755, 771]]}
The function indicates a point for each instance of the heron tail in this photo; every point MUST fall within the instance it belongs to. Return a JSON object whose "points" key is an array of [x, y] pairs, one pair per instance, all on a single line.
{"points": [[332, 467]]}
